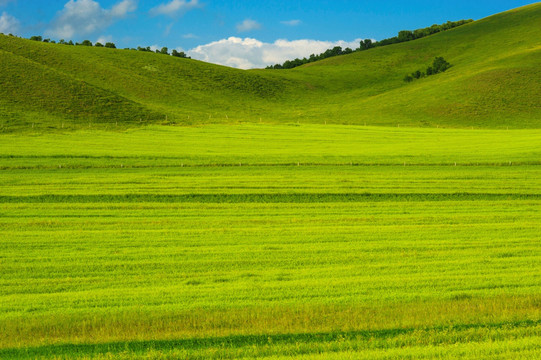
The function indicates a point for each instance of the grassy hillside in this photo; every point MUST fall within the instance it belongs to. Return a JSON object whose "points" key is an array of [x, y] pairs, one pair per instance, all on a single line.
{"points": [[494, 82], [109, 85]]}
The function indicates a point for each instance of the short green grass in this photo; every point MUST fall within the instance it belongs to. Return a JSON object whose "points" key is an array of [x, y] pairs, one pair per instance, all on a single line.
{"points": [[278, 241], [493, 83]]}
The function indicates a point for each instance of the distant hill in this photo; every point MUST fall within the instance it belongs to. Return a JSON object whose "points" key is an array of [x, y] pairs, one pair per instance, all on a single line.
{"points": [[494, 82]]}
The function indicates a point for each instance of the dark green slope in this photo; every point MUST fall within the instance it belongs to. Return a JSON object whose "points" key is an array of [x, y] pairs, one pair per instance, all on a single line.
{"points": [[43, 94], [75, 83], [494, 82]]}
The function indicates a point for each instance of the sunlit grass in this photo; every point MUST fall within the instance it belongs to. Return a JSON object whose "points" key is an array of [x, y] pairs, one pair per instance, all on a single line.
{"points": [[270, 241]]}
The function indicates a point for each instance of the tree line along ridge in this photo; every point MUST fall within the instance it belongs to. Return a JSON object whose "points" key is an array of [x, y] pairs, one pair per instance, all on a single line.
{"points": [[163, 50], [367, 44]]}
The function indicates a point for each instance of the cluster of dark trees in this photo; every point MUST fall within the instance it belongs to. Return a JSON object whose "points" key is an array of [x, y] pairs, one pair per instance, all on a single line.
{"points": [[83, 43], [180, 54], [164, 50], [438, 66], [290, 64], [403, 36]]}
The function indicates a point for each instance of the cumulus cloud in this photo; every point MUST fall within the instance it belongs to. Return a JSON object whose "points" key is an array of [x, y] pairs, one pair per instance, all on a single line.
{"points": [[122, 8], [251, 53], [104, 39], [175, 7], [291, 22], [83, 17], [248, 25], [9, 24]]}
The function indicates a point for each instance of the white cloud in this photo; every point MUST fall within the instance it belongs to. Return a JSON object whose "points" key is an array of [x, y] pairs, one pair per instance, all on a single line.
{"points": [[9, 24], [104, 39], [190, 36], [291, 22], [124, 7], [175, 7], [83, 17], [251, 53], [248, 25]]}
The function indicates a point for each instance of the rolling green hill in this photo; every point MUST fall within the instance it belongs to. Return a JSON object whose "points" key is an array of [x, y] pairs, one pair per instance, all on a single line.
{"points": [[494, 83]]}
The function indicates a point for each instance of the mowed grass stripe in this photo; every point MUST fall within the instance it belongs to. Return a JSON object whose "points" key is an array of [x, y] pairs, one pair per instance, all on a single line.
{"points": [[278, 180], [262, 198], [243, 144]]}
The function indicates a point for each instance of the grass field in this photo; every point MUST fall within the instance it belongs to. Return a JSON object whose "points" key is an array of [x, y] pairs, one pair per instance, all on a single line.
{"points": [[277, 241]]}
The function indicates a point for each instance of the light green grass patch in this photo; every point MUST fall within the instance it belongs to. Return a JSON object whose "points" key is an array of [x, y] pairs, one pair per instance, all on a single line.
{"points": [[270, 241]]}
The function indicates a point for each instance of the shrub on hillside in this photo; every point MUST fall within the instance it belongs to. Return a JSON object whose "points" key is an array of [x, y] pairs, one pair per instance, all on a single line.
{"points": [[439, 65]]}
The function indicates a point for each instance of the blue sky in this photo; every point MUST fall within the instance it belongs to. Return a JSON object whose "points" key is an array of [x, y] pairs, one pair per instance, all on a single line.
{"points": [[235, 33]]}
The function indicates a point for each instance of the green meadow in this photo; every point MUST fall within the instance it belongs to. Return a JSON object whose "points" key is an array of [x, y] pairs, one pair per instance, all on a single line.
{"points": [[275, 241], [153, 207]]}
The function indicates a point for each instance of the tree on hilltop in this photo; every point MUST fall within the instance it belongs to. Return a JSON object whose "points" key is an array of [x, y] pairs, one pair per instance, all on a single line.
{"points": [[180, 54], [366, 44]]}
